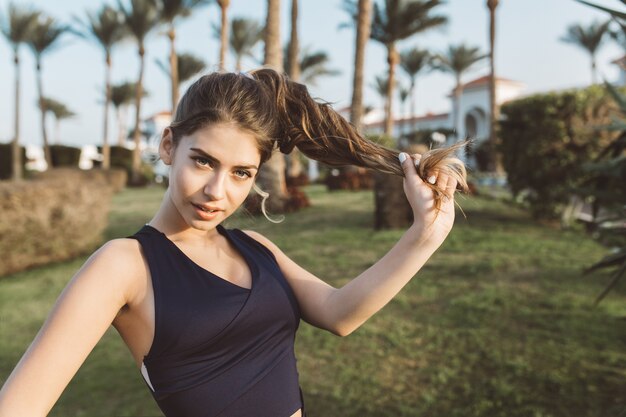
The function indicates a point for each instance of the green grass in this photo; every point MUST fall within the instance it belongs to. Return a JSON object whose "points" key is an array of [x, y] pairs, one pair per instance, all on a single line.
{"points": [[498, 323]]}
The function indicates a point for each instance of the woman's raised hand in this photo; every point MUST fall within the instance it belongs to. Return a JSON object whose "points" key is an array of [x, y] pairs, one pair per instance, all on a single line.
{"points": [[433, 225]]}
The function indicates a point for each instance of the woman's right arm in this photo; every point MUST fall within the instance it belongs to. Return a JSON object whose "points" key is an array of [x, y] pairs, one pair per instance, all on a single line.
{"points": [[80, 317]]}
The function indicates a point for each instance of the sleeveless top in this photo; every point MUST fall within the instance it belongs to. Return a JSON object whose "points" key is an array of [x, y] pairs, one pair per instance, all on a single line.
{"points": [[220, 349]]}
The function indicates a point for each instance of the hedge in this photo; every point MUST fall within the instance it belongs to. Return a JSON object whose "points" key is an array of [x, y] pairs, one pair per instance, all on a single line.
{"points": [[545, 140], [6, 160], [51, 219], [65, 156]]}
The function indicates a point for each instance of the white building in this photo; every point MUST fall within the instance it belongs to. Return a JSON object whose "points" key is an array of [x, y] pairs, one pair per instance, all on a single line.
{"points": [[473, 108]]}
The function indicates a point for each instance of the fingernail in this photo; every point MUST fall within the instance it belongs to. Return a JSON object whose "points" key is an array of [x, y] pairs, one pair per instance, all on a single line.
{"points": [[417, 163], [432, 179], [402, 157]]}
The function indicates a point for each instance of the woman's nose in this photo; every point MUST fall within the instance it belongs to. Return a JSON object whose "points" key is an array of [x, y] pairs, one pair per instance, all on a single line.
{"points": [[215, 186]]}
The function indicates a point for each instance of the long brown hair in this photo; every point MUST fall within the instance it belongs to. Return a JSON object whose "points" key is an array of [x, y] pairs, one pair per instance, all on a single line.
{"points": [[282, 114]]}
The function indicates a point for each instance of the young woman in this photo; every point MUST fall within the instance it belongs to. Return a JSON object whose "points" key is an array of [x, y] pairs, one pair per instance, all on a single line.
{"points": [[210, 314]]}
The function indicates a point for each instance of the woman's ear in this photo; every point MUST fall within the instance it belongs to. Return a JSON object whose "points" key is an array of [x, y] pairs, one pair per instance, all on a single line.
{"points": [[166, 147]]}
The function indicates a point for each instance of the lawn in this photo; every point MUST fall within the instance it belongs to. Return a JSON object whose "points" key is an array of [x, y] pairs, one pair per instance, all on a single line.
{"points": [[498, 323]]}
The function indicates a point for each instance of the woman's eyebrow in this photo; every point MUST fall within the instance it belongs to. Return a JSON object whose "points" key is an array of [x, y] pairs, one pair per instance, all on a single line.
{"points": [[217, 161]]}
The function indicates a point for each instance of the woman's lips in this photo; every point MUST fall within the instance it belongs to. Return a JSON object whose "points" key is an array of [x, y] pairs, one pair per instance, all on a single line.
{"points": [[205, 213]]}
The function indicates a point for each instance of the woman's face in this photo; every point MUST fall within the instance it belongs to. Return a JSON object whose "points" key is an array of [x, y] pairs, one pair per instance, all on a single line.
{"points": [[212, 171]]}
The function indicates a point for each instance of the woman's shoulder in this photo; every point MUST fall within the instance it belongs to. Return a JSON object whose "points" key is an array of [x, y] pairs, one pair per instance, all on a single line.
{"points": [[121, 259]]}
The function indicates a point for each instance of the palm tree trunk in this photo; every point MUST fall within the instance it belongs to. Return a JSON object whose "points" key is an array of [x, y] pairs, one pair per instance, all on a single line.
{"points": [[121, 126], [224, 33], [294, 62], [594, 79], [457, 108], [413, 104], [106, 150], [42, 106], [273, 49], [295, 166], [392, 59], [57, 131], [17, 154], [495, 157], [171, 34], [137, 132], [272, 173], [238, 64], [364, 22]]}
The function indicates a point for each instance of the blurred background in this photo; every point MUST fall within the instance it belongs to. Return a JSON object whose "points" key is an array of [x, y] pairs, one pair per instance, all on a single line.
{"points": [[520, 313]]}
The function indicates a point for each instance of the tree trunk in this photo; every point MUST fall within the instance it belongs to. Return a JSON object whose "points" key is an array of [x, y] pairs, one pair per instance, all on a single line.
{"points": [[392, 209], [272, 173], [171, 34], [15, 146], [456, 112], [413, 103], [106, 150], [273, 49], [121, 126], [294, 62], [594, 77], [495, 157], [294, 169], [392, 59], [364, 22], [57, 131], [136, 166], [223, 33], [42, 106], [238, 64]]}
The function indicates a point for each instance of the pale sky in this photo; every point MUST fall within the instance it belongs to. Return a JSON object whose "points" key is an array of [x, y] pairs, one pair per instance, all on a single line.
{"points": [[528, 50]]}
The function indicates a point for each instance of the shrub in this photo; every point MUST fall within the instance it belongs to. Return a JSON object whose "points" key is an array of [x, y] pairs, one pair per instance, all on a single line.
{"points": [[424, 137], [51, 219], [115, 178], [122, 157], [546, 138], [64, 156], [6, 160]]}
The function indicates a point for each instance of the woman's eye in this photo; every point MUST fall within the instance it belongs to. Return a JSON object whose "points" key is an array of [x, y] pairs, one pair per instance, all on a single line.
{"points": [[243, 174], [202, 161]]}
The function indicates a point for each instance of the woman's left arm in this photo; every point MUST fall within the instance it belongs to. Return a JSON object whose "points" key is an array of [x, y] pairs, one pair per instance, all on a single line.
{"points": [[343, 310]]}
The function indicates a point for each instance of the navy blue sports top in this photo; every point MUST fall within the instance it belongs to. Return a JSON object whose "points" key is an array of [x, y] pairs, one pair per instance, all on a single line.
{"points": [[220, 349]]}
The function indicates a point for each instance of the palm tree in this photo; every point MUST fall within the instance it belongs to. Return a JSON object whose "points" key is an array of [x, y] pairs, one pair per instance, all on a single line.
{"points": [[272, 174], [413, 61], [106, 28], [493, 116], [457, 60], [404, 94], [395, 21], [223, 32], [170, 11], [273, 50], [15, 27], [141, 17], [121, 96], [311, 66], [59, 111], [42, 38], [363, 28], [292, 63], [245, 34], [588, 38], [381, 86], [188, 66]]}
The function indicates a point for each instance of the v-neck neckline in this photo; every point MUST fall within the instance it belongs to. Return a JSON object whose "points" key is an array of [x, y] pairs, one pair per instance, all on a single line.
{"points": [[221, 230]]}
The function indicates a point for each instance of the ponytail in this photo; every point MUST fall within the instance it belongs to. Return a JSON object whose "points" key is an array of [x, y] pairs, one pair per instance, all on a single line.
{"points": [[322, 134]]}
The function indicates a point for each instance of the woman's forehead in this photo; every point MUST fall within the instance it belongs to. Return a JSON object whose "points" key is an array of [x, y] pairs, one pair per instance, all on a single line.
{"points": [[226, 142]]}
